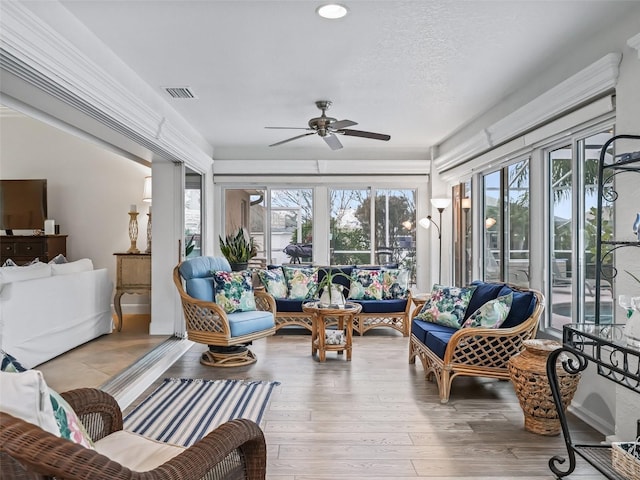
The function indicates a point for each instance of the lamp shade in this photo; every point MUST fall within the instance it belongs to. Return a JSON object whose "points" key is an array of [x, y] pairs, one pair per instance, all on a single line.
{"points": [[146, 192], [489, 222], [440, 203], [424, 222], [465, 203]]}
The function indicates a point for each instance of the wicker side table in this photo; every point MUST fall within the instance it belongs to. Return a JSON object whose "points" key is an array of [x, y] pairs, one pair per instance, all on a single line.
{"points": [[529, 377]]}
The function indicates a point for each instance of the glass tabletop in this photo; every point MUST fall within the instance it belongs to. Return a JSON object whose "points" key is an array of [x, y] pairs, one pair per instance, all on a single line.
{"points": [[347, 306]]}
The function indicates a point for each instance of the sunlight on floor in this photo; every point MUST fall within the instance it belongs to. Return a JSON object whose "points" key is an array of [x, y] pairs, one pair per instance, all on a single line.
{"points": [[95, 362]]}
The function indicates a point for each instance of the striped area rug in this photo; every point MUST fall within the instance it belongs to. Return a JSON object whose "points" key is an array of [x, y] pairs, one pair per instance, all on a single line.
{"points": [[183, 410]]}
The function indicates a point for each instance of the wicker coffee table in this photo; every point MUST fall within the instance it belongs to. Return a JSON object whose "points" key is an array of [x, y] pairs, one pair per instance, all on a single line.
{"points": [[323, 317]]}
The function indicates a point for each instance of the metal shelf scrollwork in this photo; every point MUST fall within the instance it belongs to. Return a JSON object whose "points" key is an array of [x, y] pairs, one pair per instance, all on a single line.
{"points": [[604, 345]]}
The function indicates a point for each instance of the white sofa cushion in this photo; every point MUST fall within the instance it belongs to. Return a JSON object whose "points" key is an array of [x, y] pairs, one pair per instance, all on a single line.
{"points": [[25, 395], [136, 452], [28, 272], [82, 265]]}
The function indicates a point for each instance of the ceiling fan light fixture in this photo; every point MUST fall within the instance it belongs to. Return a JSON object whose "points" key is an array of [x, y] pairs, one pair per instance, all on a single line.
{"points": [[332, 11]]}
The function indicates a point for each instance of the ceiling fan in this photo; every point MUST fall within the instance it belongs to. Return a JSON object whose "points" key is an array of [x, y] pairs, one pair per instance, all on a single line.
{"points": [[328, 127]]}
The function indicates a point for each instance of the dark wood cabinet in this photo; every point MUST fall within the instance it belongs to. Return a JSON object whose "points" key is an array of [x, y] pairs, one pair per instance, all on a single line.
{"points": [[24, 248]]}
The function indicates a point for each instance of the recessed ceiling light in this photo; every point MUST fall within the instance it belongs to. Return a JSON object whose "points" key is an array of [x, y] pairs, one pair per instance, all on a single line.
{"points": [[332, 11]]}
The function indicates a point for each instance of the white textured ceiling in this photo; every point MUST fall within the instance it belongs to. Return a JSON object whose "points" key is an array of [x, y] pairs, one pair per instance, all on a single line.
{"points": [[416, 70]]}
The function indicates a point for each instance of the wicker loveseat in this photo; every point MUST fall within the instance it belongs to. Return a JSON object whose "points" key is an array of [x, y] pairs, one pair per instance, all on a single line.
{"points": [[448, 352], [235, 450], [384, 313]]}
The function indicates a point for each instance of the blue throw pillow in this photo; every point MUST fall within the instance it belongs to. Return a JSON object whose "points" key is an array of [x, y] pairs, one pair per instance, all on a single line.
{"points": [[482, 294], [522, 307]]}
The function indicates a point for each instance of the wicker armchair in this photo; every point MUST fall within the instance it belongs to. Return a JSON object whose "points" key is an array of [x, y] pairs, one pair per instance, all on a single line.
{"points": [[235, 450], [207, 322], [476, 352]]}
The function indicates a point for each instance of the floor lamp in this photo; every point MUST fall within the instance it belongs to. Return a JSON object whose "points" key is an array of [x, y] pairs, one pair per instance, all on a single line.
{"points": [[440, 204]]}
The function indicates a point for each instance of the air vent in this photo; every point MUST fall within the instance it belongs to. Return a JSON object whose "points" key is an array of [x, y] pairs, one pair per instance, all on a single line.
{"points": [[180, 92]]}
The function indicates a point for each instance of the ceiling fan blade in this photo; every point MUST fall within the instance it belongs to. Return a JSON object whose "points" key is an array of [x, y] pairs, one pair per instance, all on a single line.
{"points": [[360, 133], [290, 128], [292, 138], [333, 141], [343, 124]]}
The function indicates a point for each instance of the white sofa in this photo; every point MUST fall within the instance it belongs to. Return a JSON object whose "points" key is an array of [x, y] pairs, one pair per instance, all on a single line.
{"points": [[48, 309]]}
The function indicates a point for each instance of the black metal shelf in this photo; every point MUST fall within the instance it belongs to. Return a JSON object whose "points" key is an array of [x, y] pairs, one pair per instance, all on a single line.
{"points": [[622, 163], [604, 345]]}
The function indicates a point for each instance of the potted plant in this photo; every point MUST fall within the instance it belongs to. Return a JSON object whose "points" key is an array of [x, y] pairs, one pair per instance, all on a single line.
{"points": [[238, 249], [330, 292]]}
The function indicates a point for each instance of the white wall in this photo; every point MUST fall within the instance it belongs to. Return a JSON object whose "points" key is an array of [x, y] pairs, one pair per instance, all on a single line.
{"points": [[89, 190]]}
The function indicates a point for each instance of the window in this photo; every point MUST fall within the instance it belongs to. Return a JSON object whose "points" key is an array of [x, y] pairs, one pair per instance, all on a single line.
{"points": [[291, 223], [193, 213], [350, 227], [374, 226], [507, 224], [573, 172], [463, 234]]}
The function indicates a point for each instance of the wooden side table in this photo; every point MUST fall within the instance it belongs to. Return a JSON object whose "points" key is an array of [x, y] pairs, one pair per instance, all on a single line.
{"points": [[321, 318], [133, 275]]}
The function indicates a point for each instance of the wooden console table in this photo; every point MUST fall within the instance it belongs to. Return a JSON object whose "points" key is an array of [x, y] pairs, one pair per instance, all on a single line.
{"points": [[605, 346], [24, 248], [133, 275]]}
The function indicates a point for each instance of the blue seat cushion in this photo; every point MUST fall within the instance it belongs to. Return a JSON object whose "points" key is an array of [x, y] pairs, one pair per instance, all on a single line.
{"points": [[287, 305], [481, 295], [437, 342], [420, 329], [244, 323], [382, 306], [521, 308]]}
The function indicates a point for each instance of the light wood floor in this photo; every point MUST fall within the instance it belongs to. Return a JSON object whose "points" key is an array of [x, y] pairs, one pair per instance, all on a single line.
{"points": [[377, 418], [95, 362]]}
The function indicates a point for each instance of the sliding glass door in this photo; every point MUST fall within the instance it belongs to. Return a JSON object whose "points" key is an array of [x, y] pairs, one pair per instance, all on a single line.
{"points": [[572, 199]]}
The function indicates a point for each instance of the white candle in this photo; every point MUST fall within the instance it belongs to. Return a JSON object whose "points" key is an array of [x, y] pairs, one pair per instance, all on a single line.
{"points": [[149, 210], [133, 208]]}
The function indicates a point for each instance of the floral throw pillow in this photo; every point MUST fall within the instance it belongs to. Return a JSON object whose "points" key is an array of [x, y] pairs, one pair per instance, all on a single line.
{"points": [[66, 419], [301, 282], [447, 305], [10, 364], [365, 284], [234, 291], [395, 283], [274, 281], [491, 314]]}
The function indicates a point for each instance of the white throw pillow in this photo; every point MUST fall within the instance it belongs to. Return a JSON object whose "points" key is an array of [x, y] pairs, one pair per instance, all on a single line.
{"points": [[25, 395], [136, 452], [28, 272], [82, 265]]}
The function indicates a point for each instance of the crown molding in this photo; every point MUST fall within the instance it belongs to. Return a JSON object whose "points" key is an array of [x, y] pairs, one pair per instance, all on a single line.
{"points": [[476, 144], [586, 85], [634, 42], [35, 53]]}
